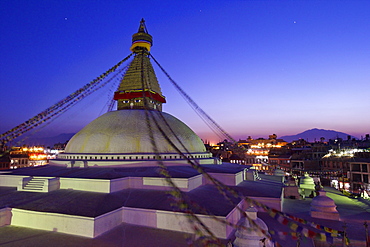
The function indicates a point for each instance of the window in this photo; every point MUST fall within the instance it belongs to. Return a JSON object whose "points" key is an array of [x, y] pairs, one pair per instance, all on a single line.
{"points": [[356, 177], [356, 167], [137, 100], [125, 101], [364, 168], [366, 178]]}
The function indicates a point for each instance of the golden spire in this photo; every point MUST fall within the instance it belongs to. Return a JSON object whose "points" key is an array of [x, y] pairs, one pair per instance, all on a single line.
{"points": [[139, 88]]}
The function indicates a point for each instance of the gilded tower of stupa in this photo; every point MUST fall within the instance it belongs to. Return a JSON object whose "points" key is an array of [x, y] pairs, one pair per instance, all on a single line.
{"points": [[139, 89]]}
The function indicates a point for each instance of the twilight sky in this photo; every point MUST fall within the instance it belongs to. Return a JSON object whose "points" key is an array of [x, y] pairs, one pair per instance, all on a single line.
{"points": [[256, 67]]}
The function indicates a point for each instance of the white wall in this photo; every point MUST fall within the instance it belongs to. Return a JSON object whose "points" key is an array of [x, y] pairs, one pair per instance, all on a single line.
{"points": [[139, 216], [119, 184], [239, 177], [70, 224], [94, 185], [114, 185], [105, 222], [176, 221], [156, 183], [90, 227], [275, 203], [11, 180], [225, 178], [195, 182]]}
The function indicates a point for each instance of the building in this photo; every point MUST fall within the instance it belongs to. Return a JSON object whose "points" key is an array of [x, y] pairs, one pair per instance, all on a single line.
{"points": [[4, 161], [258, 152], [281, 161], [347, 168], [359, 172], [307, 156], [27, 156]]}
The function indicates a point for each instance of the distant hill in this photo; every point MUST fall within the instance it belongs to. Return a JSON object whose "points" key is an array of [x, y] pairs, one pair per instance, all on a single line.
{"points": [[315, 134], [48, 141]]}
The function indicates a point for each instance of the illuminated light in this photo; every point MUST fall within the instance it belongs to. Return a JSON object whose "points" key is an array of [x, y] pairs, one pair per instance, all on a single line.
{"points": [[261, 157], [38, 157]]}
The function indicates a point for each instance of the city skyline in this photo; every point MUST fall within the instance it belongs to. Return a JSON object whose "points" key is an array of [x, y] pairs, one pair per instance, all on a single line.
{"points": [[256, 67]]}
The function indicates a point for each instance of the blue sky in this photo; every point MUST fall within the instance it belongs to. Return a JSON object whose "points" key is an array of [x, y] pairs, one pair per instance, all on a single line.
{"points": [[256, 67]]}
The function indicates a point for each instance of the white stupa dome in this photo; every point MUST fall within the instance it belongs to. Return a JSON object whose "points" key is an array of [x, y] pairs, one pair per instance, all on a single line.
{"points": [[124, 138], [126, 131]]}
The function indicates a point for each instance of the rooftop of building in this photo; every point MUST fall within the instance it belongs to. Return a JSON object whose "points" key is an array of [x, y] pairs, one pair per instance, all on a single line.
{"points": [[353, 212], [69, 201]]}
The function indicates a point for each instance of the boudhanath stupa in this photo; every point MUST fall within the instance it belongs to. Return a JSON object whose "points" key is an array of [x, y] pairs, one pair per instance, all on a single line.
{"points": [[138, 176], [123, 138]]}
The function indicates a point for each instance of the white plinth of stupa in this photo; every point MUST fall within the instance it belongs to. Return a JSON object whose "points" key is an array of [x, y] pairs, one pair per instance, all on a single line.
{"points": [[324, 207]]}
